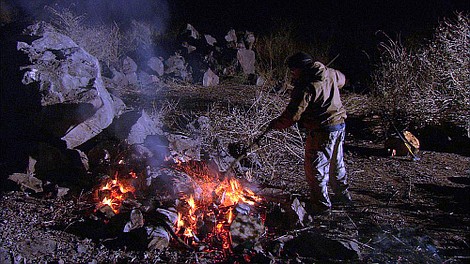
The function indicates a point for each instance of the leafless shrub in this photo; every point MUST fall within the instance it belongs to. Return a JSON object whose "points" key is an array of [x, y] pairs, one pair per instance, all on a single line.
{"points": [[448, 59], [102, 41], [429, 85], [140, 34], [398, 82], [279, 151]]}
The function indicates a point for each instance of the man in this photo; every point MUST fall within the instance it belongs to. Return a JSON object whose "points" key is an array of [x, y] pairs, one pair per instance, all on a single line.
{"points": [[316, 105]]}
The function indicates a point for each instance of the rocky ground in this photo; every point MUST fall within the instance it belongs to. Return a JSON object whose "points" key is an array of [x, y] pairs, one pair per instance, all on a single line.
{"points": [[404, 211]]}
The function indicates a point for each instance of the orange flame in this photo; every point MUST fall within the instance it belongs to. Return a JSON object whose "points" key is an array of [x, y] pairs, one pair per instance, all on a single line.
{"points": [[225, 194], [115, 192]]}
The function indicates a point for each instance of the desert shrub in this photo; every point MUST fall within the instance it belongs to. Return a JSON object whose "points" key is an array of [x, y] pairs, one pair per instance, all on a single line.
{"points": [[140, 34], [273, 49], [280, 152], [101, 41], [428, 85], [448, 59], [108, 43]]}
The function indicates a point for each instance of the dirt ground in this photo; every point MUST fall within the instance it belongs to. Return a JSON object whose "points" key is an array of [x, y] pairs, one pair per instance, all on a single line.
{"points": [[404, 211]]}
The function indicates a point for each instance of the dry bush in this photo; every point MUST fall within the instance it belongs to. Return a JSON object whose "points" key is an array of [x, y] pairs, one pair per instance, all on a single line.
{"points": [[281, 153], [273, 49], [107, 43], [429, 85], [398, 82], [102, 41], [139, 35], [448, 59]]}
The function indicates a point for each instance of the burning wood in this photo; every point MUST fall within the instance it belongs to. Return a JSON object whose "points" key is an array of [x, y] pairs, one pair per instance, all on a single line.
{"points": [[206, 219], [204, 212], [114, 191]]}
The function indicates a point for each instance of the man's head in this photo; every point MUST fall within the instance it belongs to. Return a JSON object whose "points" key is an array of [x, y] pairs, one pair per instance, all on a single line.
{"points": [[299, 62]]}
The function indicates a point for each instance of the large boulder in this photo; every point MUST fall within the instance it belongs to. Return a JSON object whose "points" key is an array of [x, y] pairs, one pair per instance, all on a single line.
{"points": [[76, 104]]}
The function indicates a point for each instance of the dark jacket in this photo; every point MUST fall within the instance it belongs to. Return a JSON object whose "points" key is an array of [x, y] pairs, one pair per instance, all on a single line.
{"points": [[315, 100]]}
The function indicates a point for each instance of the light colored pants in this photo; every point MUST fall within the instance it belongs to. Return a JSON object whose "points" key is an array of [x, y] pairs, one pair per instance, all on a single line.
{"points": [[324, 161]]}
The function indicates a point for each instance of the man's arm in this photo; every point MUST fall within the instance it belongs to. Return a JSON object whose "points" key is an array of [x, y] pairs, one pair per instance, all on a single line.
{"points": [[297, 105], [340, 78]]}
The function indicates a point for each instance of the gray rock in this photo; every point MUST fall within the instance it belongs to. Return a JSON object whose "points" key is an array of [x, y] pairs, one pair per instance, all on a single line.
{"points": [[210, 78], [129, 66], [170, 214], [136, 221], [27, 180], [299, 209], [177, 66], [249, 39], [247, 59], [145, 126], [156, 64], [210, 39], [192, 31], [231, 36], [77, 106], [246, 230], [159, 238]]}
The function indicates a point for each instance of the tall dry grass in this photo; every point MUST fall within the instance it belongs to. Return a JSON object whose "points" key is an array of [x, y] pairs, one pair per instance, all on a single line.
{"points": [[429, 85]]}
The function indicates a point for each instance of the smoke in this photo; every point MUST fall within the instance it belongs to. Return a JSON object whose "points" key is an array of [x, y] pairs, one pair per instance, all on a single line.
{"points": [[122, 12]]}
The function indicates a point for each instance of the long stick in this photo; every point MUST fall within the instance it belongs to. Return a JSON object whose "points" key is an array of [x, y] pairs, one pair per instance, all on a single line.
{"points": [[329, 63]]}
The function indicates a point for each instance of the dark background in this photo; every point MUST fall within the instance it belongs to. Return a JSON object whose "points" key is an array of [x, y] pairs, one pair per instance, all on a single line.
{"points": [[351, 28], [317, 17]]}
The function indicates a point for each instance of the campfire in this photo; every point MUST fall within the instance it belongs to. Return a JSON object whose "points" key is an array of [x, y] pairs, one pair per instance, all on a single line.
{"points": [[204, 215], [205, 219], [114, 191]]}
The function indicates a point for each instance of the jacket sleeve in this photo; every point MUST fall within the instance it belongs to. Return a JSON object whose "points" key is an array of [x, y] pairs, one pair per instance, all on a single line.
{"points": [[340, 78], [299, 101]]}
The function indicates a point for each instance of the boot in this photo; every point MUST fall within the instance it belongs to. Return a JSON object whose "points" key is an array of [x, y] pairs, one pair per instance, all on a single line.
{"points": [[343, 198], [320, 203]]}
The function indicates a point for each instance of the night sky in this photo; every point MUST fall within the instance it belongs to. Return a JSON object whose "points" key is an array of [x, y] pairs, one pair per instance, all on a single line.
{"points": [[335, 16], [320, 17]]}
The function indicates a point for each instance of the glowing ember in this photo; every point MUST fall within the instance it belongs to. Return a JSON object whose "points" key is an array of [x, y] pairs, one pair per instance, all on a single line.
{"points": [[115, 191], [218, 201]]}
